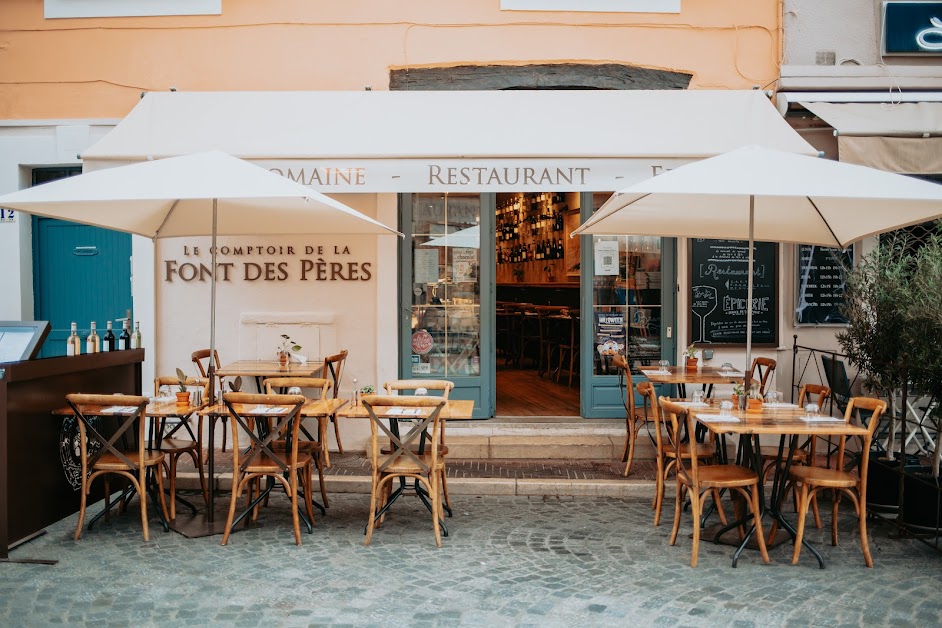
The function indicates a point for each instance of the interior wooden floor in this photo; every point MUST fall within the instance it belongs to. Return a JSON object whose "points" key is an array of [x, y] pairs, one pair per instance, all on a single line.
{"points": [[521, 392]]}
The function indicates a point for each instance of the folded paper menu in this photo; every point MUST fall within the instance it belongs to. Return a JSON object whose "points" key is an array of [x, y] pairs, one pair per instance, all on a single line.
{"points": [[779, 405], [716, 418], [820, 419], [397, 411], [693, 404], [655, 372], [119, 410], [266, 410]]}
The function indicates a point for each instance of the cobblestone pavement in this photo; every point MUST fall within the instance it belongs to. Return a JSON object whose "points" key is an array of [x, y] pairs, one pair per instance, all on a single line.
{"points": [[508, 561]]}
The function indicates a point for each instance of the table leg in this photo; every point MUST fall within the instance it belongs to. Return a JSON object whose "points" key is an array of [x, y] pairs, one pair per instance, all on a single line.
{"points": [[211, 467]]}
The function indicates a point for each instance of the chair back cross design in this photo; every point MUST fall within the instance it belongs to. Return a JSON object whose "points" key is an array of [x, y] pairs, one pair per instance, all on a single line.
{"points": [[132, 417], [261, 441], [402, 446]]}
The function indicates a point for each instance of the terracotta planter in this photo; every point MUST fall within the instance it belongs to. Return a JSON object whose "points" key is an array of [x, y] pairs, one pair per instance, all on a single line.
{"points": [[691, 363], [283, 359], [183, 398], [754, 405]]}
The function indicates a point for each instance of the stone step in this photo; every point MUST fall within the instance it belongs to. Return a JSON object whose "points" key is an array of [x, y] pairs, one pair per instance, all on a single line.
{"points": [[578, 440]]}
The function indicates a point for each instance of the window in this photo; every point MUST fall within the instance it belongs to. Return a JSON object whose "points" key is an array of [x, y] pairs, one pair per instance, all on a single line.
{"points": [[130, 8], [593, 6]]}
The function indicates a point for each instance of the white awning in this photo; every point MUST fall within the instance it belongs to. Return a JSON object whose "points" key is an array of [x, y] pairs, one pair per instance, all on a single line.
{"points": [[905, 118], [455, 141], [898, 137]]}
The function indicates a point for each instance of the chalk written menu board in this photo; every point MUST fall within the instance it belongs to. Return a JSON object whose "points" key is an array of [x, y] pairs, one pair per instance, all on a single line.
{"points": [[719, 292], [821, 284]]}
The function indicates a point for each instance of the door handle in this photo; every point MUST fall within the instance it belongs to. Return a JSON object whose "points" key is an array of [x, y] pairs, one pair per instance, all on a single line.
{"points": [[85, 251]]}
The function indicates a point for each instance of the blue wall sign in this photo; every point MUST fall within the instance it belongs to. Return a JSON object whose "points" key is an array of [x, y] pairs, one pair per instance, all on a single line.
{"points": [[912, 28]]}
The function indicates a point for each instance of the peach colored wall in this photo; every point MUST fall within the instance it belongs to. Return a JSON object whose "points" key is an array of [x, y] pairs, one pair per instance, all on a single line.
{"points": [[79, 68]]}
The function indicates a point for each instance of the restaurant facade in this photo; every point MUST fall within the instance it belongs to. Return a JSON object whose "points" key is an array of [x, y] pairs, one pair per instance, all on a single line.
{"points": [[485, 135]]}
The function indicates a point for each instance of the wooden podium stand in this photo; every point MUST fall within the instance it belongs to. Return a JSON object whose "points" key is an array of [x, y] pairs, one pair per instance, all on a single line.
{"points": [[34, 489]]}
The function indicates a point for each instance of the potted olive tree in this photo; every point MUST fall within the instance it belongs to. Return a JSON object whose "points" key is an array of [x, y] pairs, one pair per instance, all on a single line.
{"points": [[922, 499], [894, 308]]}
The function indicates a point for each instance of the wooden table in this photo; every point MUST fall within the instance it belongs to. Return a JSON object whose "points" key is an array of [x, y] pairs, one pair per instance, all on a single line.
{"points": [[783, 420], [680, 376], [454, 410], [270, 368], [314, 408]]}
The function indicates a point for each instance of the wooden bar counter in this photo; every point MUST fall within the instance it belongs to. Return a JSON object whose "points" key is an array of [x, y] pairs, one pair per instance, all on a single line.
{"points": [[34, 489]]}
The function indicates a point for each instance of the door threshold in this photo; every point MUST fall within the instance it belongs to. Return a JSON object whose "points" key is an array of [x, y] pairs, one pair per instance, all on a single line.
{"points": [[507, 418]]}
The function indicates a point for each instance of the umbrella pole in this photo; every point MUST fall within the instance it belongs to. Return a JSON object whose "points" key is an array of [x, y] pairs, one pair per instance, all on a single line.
{"points": [[212, 317], [752, 219]]}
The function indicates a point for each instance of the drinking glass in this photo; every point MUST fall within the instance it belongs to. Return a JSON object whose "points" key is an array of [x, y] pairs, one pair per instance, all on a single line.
{"points": [[663, 365], [164, 392], [726, 408], [812, 410], [421, 392], [697, 397], [727, 367], [773, 396], [294, 390]]}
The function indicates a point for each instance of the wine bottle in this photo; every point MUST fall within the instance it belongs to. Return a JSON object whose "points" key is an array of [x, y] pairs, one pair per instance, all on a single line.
{"points": [[136, 336], [124, 340], [73, 345], [93, 342], [108, 342]]}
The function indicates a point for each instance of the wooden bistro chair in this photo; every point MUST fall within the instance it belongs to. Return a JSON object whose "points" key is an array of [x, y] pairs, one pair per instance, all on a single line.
{"points": [[287, 467], [333, 369], [698, 481], [424, 468], [809, 393], [569, 346], [810, 480], [132, 464], [199, 357], [174, 446], [666, 456], [311, 444], [443, 387], [634, 419], [761, 371]]}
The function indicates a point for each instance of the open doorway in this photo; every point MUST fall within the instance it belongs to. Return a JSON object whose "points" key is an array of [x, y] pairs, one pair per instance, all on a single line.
{"points": [[537, 276]]}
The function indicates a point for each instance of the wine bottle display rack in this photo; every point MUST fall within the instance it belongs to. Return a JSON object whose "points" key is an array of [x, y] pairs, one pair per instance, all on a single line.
{"points": [[531, 238]]}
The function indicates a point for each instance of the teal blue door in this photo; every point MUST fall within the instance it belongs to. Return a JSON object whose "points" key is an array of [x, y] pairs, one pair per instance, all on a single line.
{"points": [[80, 274]]}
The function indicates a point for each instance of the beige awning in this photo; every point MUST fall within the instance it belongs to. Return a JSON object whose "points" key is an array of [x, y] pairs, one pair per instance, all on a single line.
{"points": [[896, 137], [517, 140], [908, 118]]}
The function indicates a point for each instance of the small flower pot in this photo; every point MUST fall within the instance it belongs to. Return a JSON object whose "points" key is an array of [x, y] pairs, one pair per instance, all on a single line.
{"points": [[183, 398], [691, 363], [283, 359], [754, 405]]}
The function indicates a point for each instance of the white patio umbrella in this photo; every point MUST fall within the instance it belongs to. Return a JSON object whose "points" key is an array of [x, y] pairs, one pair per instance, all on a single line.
{"points": [[469, 238], [755, 193], [204, 194]]}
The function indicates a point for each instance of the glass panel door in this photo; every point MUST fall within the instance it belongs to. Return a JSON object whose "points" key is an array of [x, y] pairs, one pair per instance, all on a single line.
{"points": [[631, 302], [444, 335]]}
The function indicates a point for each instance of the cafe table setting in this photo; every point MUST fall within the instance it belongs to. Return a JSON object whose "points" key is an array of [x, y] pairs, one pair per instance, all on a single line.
{"points": [[774, 418]]}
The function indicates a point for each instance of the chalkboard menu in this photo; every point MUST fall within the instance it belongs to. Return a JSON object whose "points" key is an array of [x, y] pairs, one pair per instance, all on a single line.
{"points": [[719, 276], [821, 284]]}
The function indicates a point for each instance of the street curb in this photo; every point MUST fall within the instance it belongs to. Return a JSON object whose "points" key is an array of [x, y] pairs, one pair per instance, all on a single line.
{"points": [[615, 488]]}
